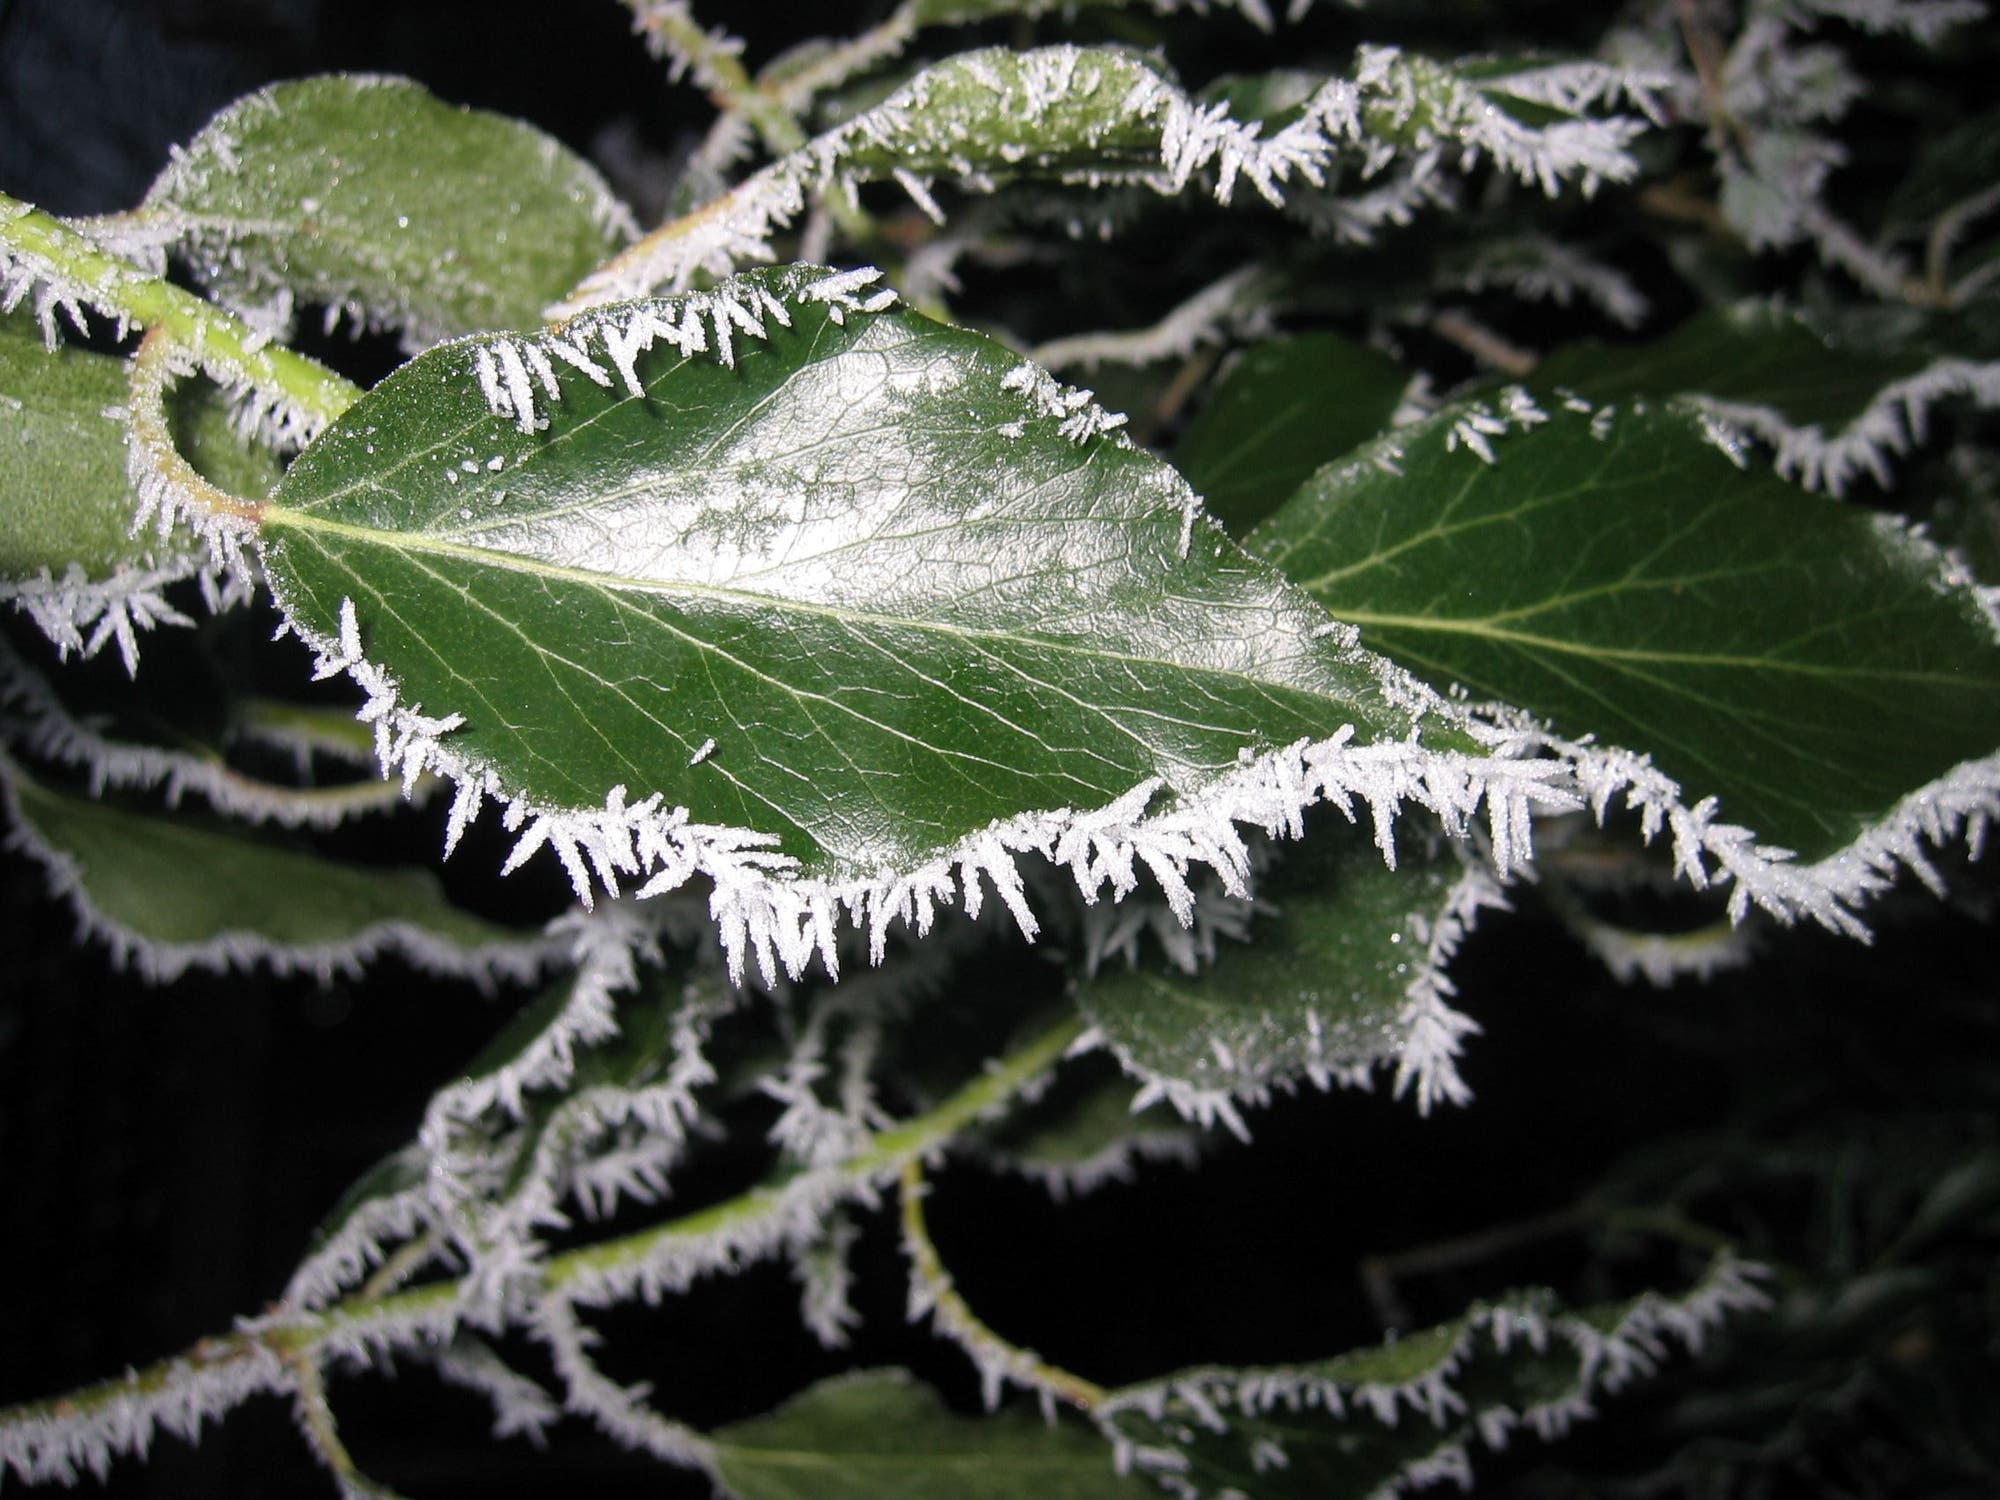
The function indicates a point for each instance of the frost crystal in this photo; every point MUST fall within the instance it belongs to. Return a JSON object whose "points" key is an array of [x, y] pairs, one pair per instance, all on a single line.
{"points": [[1892, 423], [84, 615], [1435, 113], [1257, 1406], [1221, 310]]}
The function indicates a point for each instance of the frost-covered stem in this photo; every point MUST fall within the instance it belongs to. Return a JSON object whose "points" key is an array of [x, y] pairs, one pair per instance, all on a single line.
{"points": [[323, 1433], [222, 343], [154, 370], [934, 1291], [300, 1336], [715, 64], [1483, 344], [1706, 52], [885, 1151], [404, 1262]]}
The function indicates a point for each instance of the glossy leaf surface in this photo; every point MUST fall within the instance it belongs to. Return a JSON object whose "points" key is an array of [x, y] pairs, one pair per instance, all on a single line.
{"points": [[1805, 662], [357, 192], [1280, 410], [865, 589]]}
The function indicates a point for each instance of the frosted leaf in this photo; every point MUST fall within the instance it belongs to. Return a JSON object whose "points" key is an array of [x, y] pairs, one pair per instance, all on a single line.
{"points": [[759, 570], [259, 905], [1400, 1416], [1829, 412], [1345, 974], [877, 1434], [1566, 562], [351, 192]]}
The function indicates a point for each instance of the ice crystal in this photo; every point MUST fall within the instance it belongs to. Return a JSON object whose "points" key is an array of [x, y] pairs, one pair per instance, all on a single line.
{"points": [[1480, 423], [1891, 424], [82, 615], [1216, 1400], [620, 1412], [59, 1442], [521, 1408], [1222, 310]]}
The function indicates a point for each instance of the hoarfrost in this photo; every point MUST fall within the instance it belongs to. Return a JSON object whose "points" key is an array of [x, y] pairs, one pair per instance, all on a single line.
{"points": [[1175, 1412]]}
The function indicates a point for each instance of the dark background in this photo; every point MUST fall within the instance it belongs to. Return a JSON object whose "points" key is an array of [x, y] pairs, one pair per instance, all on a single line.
{"points": [[164, 1153]]}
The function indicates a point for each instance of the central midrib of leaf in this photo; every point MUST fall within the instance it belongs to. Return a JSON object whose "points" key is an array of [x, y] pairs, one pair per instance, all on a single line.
{"points": [[613, 583], [866, 589]]}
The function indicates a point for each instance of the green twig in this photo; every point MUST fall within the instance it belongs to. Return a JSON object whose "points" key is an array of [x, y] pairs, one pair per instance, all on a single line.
{"points": [[225, 346], [952, 1314]]}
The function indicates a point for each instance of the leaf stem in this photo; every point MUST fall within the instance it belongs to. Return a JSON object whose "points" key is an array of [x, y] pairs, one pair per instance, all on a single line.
{"points": [[76, 271], [953, 1316], [712, 59]]}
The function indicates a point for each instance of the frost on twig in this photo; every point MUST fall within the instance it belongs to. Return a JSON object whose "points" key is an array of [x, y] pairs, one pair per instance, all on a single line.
{"points": [[1229, 307], [38, 722], [61, 1441]]}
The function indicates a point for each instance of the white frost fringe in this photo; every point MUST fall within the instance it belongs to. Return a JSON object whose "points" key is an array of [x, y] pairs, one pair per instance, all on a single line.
{"points": [[160, 962], [1185, 1407], [1708, 852], [83, 615], [1451, 121], [46, 729], [763, 909], [55, 1446], [1892, 423]]}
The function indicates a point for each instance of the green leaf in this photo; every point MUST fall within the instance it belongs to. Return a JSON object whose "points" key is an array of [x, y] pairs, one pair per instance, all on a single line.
{"points": [[370, 196], [67, 552], [62, 461], [1344, 972], [1408, 1413], [170, 893], [1806, 663], [1019, 114], [869, 597], [879, 1435], [1281, 410], [1830, 406]]}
